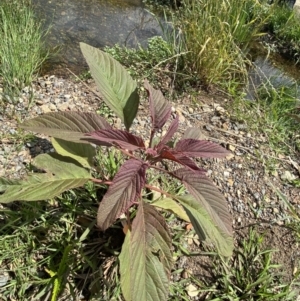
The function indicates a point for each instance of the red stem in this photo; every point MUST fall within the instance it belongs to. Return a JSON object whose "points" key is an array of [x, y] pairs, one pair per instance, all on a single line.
{"points": [[158, 190], [129, 154], [101, 181], [161, 169], [126, 153]]}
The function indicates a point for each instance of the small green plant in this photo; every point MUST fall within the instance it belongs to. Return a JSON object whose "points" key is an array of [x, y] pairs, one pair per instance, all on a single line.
{"points": [[160, 62], [21, 49], [156, 51], [293, 218], [248, 275], [275, 112], [146, 257]]}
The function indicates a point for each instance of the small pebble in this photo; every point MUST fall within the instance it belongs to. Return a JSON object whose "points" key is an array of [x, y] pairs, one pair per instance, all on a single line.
{"points": [[226, 174], [256, 195], [208, 128]]}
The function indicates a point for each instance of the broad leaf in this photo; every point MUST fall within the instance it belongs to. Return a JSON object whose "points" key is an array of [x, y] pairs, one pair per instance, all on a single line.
{"points": [[173, 206], [206, 193], [205, 226], [200, 148], [125, 267], [171, 131], [160, 109], [118, 89], [5, 183], [193, 133], [170, 154], [146, 258], [122, 193], [70, 126], [61, 175], [123, 139], [81, 152], [209, 198]]}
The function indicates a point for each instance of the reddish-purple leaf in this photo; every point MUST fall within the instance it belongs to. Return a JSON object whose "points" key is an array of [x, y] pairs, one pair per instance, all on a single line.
{"points": [[170, 154], [120, 138], [208, 195], [152, 152], [122, 193], [200, 148], [151, 226], [160, 109], [171, 131]]}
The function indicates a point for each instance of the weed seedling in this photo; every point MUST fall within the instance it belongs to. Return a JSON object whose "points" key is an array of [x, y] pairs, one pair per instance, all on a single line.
{"points": [[146, 255]]}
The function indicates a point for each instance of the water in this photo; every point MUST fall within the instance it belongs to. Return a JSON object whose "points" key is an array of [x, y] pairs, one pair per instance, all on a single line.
{"points": [[95, 22], [267, 74], [271, 70]]}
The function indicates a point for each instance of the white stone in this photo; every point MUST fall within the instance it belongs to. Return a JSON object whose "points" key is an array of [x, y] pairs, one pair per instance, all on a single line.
{"points": [[192, 290]]}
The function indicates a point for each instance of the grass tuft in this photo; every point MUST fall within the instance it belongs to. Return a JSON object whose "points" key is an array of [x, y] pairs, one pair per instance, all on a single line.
{"points": [[216, 35], [250, 275], [22, 51]]}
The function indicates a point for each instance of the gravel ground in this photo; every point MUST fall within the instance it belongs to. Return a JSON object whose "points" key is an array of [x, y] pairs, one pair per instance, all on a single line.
{"points": [[242, 178]]}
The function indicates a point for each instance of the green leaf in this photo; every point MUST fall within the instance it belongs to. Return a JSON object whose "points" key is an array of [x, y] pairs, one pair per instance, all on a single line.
{"points": [[4, 183], [118, 89], [81, 152], [205, 226], [146, 258], [208, 195], [125, 267], [61, 175], [70, 126], [173, 206]]}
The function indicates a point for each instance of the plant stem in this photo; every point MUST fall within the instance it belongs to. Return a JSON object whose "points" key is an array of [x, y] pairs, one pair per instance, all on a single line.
{"points": [[125, 152], [158, 190], [160, 169], [101, 181], [151, 137]]}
